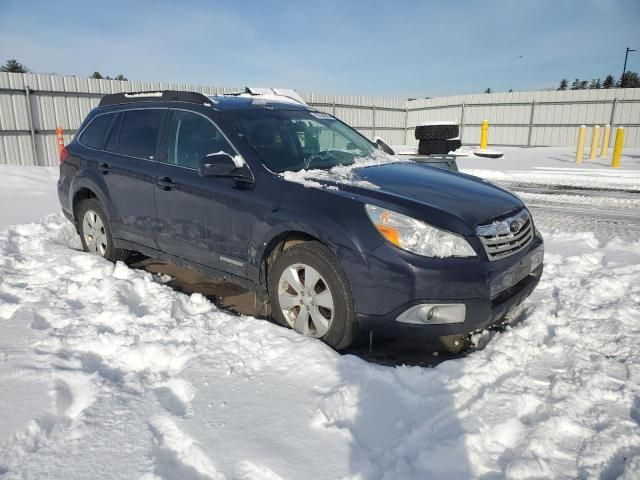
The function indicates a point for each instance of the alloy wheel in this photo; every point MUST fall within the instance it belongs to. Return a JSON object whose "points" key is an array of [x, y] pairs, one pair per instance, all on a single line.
{"points": [[305, 300], [95, 235]]}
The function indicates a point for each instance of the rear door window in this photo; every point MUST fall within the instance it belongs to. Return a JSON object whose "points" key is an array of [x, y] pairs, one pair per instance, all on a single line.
{"points": [[95, 134], [139, 132]]}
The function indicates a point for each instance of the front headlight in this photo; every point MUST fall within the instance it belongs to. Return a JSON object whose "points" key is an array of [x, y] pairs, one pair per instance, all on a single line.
{"points": [[416, 236]]}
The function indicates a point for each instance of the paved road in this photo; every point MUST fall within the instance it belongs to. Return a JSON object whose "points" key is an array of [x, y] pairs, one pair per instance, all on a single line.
{"points": [[614, 212]]}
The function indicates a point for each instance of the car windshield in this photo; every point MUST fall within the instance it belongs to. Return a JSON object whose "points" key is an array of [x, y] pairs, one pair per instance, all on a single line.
{"points": [[292, 140]]}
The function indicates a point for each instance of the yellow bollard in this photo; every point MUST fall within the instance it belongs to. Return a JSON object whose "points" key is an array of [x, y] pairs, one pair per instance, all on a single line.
{"points": [[617, 149], [484, 134], [594, 142], [582, 133], [605, 140]]}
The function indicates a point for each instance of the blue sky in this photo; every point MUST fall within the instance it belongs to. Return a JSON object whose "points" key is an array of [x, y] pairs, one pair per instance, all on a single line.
{"points": [[394, 48]]}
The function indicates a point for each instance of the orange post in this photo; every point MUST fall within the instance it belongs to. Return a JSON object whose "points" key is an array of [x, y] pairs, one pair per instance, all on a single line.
{"points": [[60, 140]]}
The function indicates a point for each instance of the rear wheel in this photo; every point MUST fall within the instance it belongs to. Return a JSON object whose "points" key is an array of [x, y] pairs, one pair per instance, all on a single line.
{"points": [[309, 292], [95, 233]]}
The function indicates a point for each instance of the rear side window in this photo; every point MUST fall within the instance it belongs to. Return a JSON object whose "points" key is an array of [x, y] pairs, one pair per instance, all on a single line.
{"points": [[139, 132], [95, 134]]}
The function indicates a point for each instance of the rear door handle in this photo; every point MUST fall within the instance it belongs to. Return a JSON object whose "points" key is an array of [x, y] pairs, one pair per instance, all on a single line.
{"points": [[165, 183], [104, 167]]}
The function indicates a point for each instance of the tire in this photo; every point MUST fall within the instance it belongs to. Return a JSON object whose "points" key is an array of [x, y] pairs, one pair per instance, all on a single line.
{"points": [[436, 132], [454, 144], [96, 219], [287, 283], [428, 147]]}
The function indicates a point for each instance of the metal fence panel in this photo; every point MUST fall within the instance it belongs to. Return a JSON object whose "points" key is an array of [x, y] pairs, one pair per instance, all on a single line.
{"points": [[65, 101]]}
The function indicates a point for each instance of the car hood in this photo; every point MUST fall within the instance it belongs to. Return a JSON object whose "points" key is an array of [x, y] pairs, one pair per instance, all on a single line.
{"points": [[430, 190]]}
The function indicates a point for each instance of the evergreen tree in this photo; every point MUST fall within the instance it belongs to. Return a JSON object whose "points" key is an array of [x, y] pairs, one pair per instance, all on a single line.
{"points": [[629, 80], [575, 85], [98, 75], [583, 85], [488, 90], [13, 66], [564, 83], [608, 82], [595, 83]]}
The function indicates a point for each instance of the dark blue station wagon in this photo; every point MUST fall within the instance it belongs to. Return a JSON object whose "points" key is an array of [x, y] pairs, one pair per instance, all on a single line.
{"points": [[294, 204]]}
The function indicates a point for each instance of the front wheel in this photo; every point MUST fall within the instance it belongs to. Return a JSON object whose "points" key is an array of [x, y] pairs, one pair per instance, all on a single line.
{"points": [[309, 292], [95, 233]]}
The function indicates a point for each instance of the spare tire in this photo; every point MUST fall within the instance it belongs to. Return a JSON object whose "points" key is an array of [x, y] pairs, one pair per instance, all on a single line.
{"points": [[436, 132], [454, 145], [429, 147]]}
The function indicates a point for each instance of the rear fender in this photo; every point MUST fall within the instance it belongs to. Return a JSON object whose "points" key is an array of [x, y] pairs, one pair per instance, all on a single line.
{"points": [[92, 180]]}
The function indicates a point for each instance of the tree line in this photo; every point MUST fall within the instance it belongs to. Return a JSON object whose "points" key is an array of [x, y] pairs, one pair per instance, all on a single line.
{"points": [[14, 66], [629, 80]]}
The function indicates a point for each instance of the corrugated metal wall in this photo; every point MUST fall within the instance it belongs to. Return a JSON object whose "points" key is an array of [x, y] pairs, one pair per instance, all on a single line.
{"points": [[32, 106], [548, 118]]}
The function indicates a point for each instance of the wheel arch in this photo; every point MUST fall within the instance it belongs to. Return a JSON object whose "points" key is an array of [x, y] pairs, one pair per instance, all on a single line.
{"points": [[85, 187], [280, 243], [81, 194]]}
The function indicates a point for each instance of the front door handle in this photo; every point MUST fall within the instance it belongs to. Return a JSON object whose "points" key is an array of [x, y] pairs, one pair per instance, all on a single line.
{"points": [[104, 167], [165, 183]]}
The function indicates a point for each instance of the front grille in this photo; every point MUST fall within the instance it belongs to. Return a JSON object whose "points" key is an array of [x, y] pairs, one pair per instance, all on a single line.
{"points": [[506, 236]]}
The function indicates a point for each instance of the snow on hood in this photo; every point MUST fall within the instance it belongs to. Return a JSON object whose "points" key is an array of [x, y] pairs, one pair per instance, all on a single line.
{"points": [[341, 174]]}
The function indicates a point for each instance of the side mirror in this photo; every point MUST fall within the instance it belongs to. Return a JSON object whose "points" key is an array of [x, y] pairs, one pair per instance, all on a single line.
{"points": [[218, 164], [383, 146]]}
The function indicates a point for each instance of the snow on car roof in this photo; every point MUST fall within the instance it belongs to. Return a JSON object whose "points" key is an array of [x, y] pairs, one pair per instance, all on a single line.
{"points": [[255, 102], [260, 97]]}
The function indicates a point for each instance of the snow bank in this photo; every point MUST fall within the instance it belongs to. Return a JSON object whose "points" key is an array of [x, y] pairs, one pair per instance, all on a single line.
{"points": [[107, 373], [27, 193], [170, 386]]}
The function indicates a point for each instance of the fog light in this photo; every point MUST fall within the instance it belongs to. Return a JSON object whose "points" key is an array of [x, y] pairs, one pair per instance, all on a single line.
{"points": [[431, 312], [434, 314]]}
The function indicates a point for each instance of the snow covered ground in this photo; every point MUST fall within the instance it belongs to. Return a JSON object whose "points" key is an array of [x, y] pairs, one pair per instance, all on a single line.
{"points": [[106, 372], [27, 194]]}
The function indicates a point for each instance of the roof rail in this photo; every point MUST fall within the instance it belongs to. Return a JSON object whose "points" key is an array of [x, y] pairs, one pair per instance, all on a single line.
{"points": [[154, 96]]}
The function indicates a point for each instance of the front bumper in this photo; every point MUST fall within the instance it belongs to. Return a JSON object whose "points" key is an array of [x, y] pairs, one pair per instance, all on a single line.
{"points": [[488, 290]]}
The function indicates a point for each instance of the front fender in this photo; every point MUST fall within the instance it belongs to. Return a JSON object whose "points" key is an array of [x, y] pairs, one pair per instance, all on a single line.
{"points": [[349, 236]]}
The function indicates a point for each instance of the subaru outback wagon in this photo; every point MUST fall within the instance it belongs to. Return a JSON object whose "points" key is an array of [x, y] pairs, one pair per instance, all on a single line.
{"points": [[386, 246]]}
